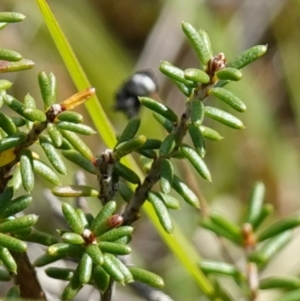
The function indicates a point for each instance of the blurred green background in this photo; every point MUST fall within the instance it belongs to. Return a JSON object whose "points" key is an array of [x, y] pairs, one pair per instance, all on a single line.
{"points": [[114, 38]]}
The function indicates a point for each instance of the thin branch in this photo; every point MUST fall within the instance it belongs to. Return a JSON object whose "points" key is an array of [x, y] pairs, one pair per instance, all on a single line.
{"points": [[105, 164], [131, 212], [26, 278], [107, 295], [251, 268]]}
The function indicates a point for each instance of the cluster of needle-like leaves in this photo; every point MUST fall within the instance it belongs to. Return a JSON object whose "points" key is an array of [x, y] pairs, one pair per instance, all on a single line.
{"points": [[97, 243]]}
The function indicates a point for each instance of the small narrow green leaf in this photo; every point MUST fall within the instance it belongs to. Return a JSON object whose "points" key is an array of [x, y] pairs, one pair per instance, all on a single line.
{"points": [[8, 260], [199, 42], [174, 73], [76, 128], [114, 248], [85, 268], [161, 211], [197, 109], [114, 261], [77, 158], [126, 173], [159, 108], [26, 168], [270, 248], [146, 277], [248, 56], [170, 201], [66, 145], [224, 117], [185, 90], [209, 133], [219, 268], [151, 144], [47, 259], [29, 101], [52, 154], [198, 139], [284, 281], [112, 269], [228, 97], [18, 223], [33, 114], [196, 75], [38, 237], [70, 116], [167, 124], [116, 233], [226, 224], [18, 121], [60, 273], [279, 227], [125, 240], [12, 243], [217, 229], [5, 84], [229, 73], [78, 144], [62, 249], [48, 88], [55, 134], [14, 104], [46, 172], [187, 194], [81, 214], [5, 197], [72, 238], [72, 218], [168, 145], [73, 287], [166, 176], [103, 214], [15, 206], [11, 17], [130, 130], [112, 221], [266, 211], [95, 253], [196, 161], [20, 65], [206, 42], [10, 55], [255, 203], [127, 147], [148, 153], [101, 278], [75, 191], [12, 141], [7, 124]]}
